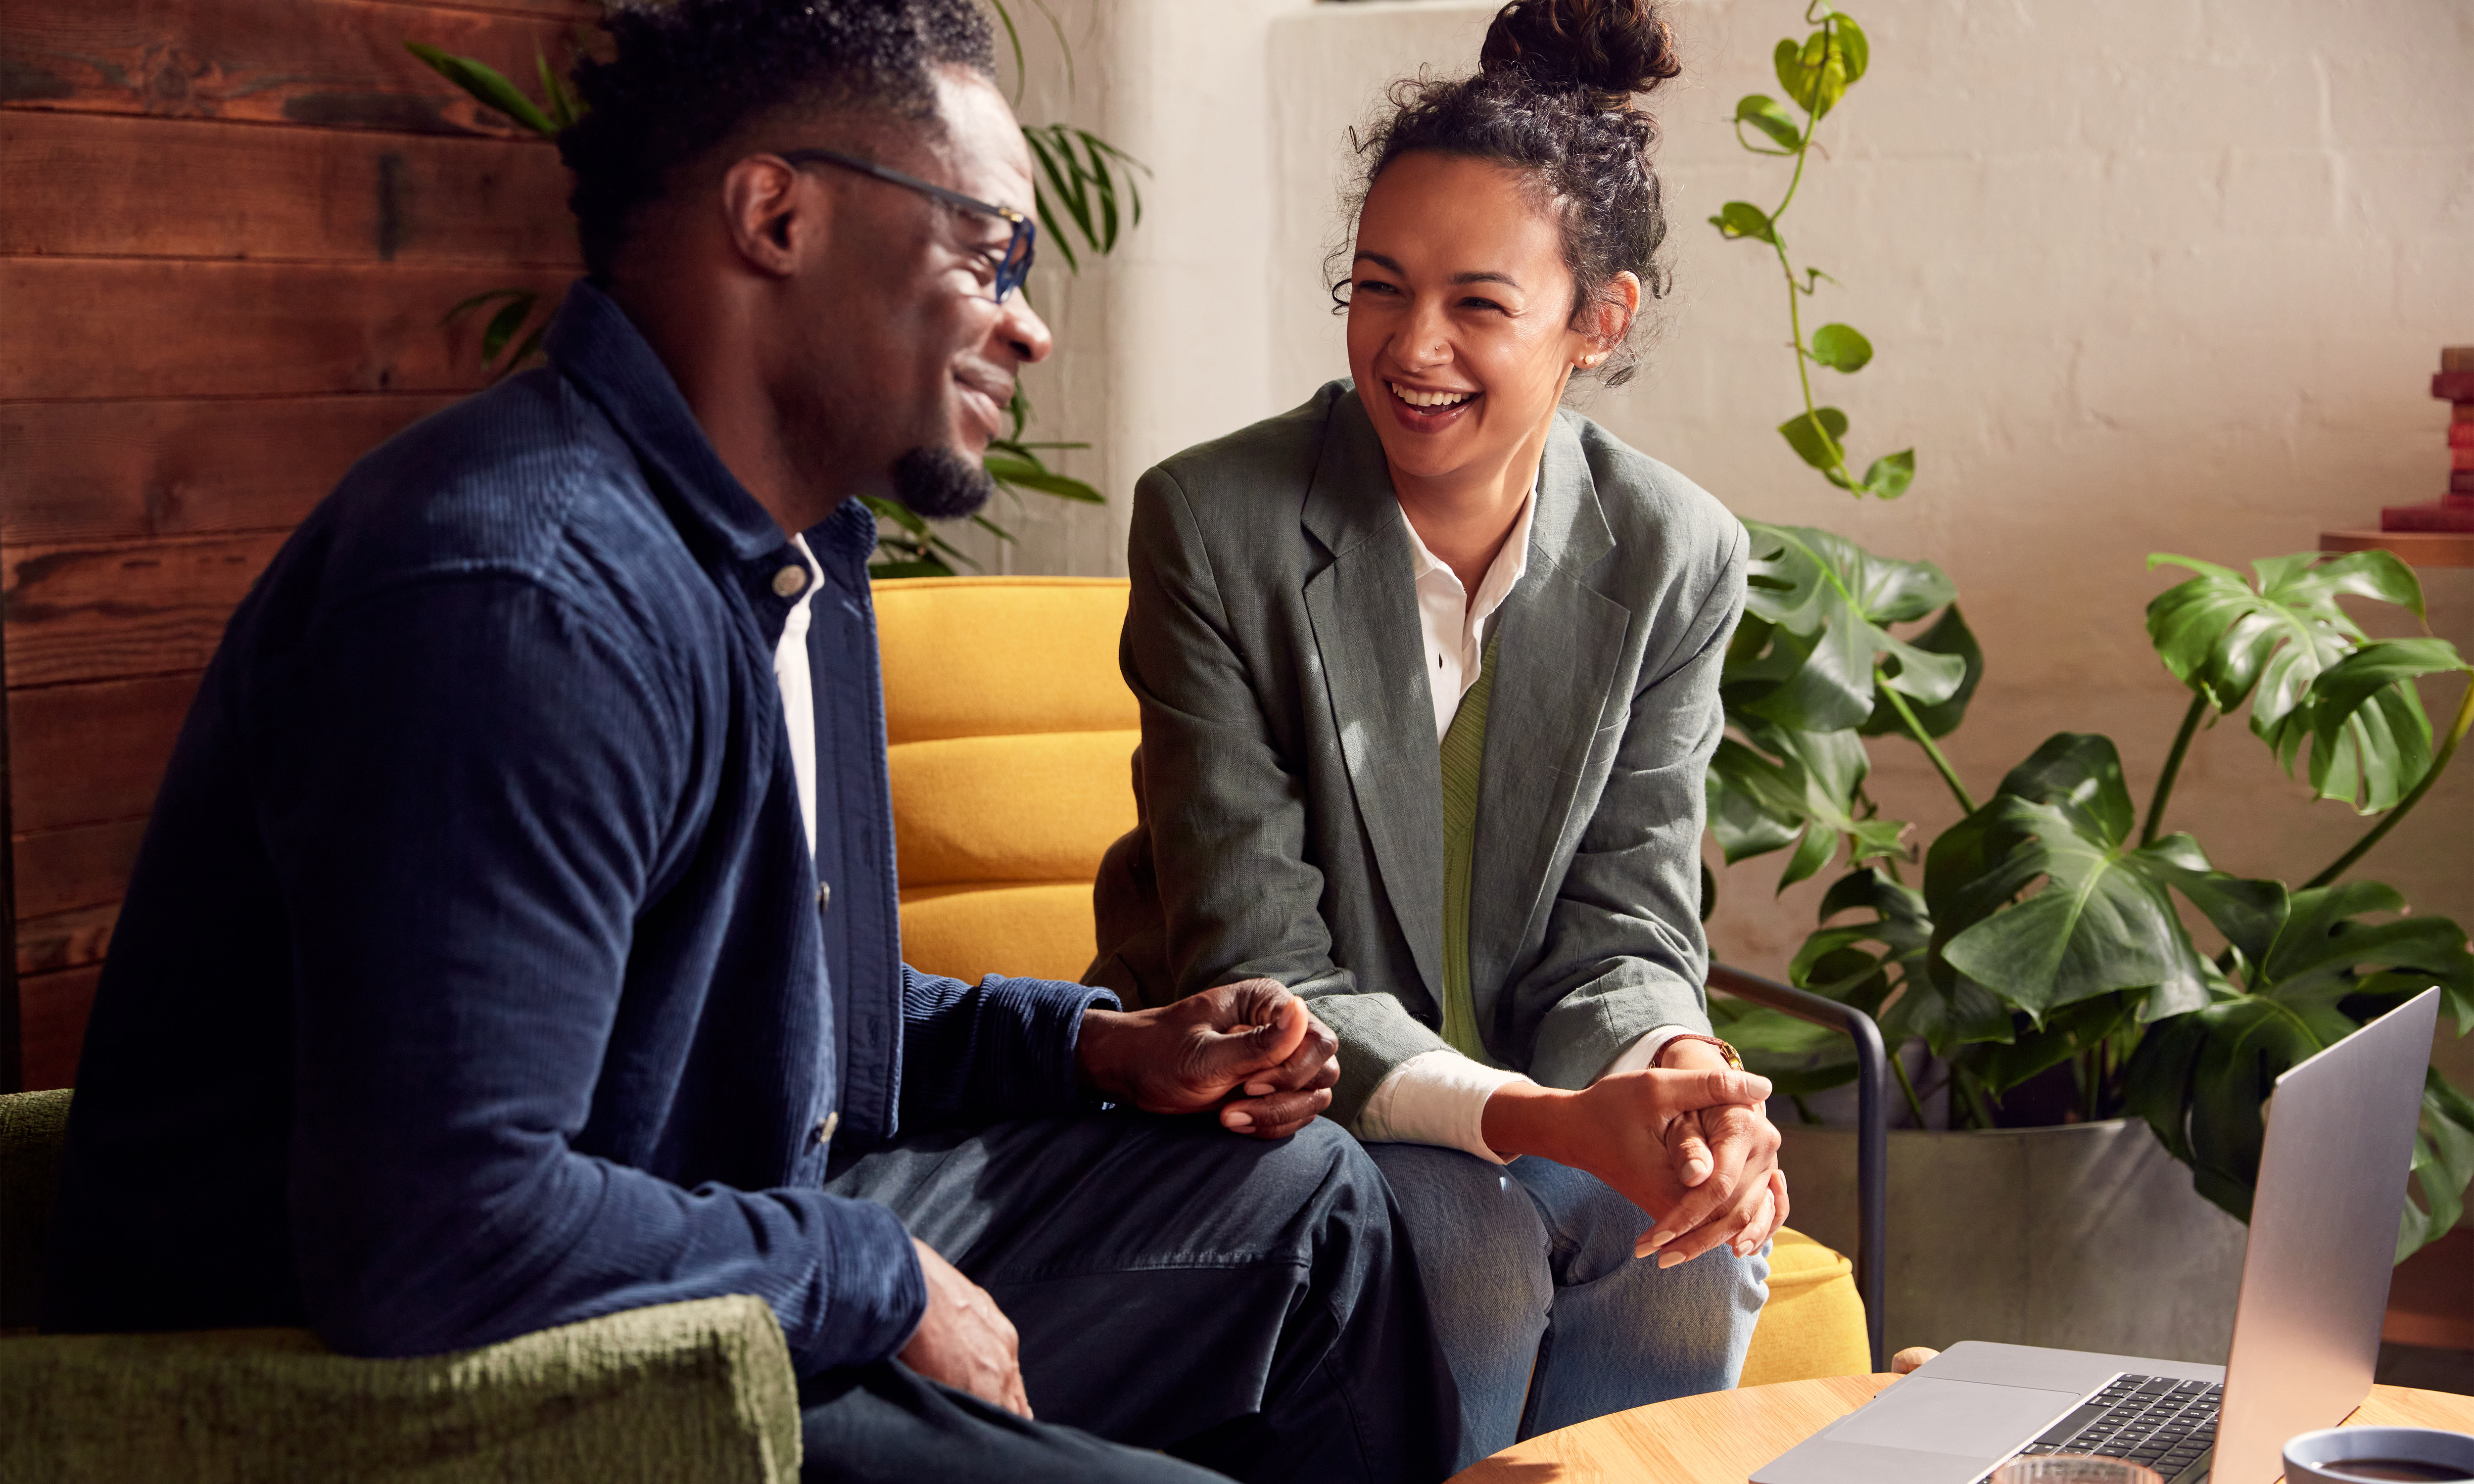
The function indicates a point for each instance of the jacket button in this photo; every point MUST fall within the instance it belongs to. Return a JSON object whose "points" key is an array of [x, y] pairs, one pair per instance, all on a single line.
{"points": [[825, 1128], [787, 581], [824, 895]]}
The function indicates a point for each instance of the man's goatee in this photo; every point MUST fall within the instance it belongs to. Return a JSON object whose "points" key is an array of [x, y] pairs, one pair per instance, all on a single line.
{"points": [[941, 483]]}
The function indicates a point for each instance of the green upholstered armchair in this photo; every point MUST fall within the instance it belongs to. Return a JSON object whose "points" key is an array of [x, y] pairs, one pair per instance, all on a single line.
{"points": [[699, 1390]]}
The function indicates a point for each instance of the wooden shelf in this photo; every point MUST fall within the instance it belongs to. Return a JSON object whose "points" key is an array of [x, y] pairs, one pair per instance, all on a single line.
{"points": [[2419, 548]]}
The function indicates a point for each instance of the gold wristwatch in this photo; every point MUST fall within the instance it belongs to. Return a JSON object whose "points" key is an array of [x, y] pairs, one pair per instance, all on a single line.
{"points": [[1725, 1050]]}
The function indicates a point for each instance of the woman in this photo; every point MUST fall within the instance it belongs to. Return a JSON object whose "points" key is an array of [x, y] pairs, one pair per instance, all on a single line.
{"points": [[1429, 679]]}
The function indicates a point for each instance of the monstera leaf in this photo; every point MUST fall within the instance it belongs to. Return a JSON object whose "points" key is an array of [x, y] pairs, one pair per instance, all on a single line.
{"points": [[1948, 634], [2443, 1163], [2321, 951], [2199, 1080], [2272, 644], [2306, 970], [2371, 741], [1817, 607], [1811, 794], [2102, 920], [1878, 962], [1861, 963]]}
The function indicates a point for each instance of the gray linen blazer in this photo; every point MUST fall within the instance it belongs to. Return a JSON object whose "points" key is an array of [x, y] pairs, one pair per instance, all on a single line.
{"points": [[1289, 783]]}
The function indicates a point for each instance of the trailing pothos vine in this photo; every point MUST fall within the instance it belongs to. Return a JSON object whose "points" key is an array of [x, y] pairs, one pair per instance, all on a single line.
{"points": [[2044, 947], [1815, 74], [1081, 180]]}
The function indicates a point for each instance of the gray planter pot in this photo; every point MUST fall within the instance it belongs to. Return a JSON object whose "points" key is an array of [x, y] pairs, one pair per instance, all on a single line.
{"points": [[2086, 1237]]}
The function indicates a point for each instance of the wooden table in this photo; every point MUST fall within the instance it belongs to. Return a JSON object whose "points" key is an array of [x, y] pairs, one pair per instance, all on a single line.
{"points": [[1722, 1437]]}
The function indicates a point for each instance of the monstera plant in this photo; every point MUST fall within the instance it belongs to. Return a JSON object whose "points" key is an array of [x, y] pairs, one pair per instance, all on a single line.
{"points": [[2048, 937], [1083, 181], [2048, 929]]}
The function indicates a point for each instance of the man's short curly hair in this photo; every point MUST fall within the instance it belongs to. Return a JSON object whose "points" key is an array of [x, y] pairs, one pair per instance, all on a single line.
{"points": [[684, 76]]}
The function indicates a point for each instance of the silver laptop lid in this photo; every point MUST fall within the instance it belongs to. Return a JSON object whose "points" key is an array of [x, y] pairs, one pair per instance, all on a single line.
{"points": [[2323, 1231]]}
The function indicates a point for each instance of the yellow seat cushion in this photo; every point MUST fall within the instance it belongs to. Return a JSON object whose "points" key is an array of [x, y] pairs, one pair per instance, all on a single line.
{"points": [[1010, 741], [1813, 1325], [991, 656], [1041, 932], [1043, 806]]}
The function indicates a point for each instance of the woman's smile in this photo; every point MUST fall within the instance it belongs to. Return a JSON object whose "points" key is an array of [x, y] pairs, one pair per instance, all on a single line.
{"points": [[1428, 409]]}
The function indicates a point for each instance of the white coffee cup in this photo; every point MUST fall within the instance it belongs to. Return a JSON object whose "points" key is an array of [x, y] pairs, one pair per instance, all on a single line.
{"points": [[2364, 1456]]}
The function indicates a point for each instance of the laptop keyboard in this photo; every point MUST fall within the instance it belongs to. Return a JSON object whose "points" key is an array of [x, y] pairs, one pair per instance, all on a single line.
{"points": [[2152, 1420]]}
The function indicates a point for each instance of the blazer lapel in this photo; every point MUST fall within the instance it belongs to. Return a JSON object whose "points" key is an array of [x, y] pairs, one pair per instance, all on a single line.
{"points": [[1364, 608], [1561, 642]]}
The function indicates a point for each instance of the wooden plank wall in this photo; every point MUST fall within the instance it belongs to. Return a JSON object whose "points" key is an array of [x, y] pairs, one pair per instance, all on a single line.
{"points": [[227, 231]]}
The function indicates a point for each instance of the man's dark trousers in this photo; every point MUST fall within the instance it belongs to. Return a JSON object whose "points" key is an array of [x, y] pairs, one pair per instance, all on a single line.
{"points": [[1236, 1303]]}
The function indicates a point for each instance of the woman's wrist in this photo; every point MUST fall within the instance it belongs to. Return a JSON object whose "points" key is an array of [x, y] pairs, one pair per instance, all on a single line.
{"points": [[1690, 1053], [1523, 1117]]}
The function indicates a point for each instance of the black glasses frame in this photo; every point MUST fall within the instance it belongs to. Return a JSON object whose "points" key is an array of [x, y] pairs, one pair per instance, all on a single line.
{"points": [[1012, 269]]}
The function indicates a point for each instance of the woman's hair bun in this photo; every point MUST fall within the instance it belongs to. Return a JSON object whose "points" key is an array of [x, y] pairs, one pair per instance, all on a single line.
{"points": [[1612, 48]]}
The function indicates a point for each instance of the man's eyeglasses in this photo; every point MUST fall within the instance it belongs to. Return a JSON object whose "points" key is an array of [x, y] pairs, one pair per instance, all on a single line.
{"points": [[1012, 269]]}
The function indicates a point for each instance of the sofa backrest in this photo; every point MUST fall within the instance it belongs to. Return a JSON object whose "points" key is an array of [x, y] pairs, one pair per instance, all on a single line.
{"points": [[1012, 743], [32, 1126]]}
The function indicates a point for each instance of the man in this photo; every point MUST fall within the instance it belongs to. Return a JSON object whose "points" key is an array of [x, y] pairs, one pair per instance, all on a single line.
{"points": [[515, 939]]}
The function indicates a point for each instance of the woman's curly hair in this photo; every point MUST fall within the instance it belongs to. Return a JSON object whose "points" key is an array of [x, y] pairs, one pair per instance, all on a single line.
{"points": [[685, 76], [1554, 99]]}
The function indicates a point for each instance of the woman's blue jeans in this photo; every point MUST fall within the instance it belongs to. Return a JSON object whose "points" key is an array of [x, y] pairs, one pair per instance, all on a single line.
{"points": [[1542, 1311]]}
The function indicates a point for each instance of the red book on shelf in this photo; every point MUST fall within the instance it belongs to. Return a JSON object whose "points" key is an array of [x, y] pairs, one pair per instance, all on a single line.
{"points": [[2439, 515], [2461, 457], [2461, 430], [2453, 386]]}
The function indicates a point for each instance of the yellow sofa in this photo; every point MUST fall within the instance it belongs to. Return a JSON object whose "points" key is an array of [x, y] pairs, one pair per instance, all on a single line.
{"points": [[1010, 739]]}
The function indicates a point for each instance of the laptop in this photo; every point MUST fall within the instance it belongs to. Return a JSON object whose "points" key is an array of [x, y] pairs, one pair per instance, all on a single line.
{"points": [[2314, 1283]]}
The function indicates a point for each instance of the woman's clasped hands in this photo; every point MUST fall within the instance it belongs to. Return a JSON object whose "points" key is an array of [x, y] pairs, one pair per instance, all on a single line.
{"points": [[1689, 1142]]}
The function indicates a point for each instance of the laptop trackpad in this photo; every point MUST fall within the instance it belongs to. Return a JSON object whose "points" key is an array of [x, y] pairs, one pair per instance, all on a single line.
{"points": [[1929, 1414]]}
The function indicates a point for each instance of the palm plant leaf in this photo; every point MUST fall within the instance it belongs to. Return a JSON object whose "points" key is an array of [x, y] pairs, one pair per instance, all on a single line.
{"points": [[1083, 180], [487, 86]]}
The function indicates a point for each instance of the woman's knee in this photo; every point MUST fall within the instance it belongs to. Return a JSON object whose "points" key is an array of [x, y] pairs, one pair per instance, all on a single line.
{"points": [[1474, 1229]]}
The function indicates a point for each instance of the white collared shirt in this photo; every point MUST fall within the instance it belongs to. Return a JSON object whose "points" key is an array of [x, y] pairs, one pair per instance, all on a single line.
{"points": [[798, 688], [1439, 1097], [1451, 622]]}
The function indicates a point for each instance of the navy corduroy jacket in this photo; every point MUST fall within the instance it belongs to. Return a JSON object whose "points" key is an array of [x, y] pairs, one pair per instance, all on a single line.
{"points": [[476, 976]]}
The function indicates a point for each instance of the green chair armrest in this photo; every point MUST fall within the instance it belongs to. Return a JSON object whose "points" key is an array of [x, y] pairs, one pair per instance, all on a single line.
{"points": [[699, 1390], [32, 1126]]}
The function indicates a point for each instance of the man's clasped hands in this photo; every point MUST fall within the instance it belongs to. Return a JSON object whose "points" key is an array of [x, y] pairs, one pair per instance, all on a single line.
{"points": [[1686, 1142]]}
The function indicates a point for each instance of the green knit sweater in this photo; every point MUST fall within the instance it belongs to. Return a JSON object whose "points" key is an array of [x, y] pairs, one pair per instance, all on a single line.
{"points": [[1463, 755]]}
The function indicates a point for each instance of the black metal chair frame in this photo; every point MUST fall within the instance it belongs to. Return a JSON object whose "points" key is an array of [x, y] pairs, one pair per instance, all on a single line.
{"points": [[1872, 1123]]}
